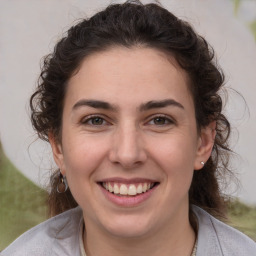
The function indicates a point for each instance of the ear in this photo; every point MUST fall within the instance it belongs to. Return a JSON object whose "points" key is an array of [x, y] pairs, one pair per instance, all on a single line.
{"points": [[205, 145], [57, 153]]}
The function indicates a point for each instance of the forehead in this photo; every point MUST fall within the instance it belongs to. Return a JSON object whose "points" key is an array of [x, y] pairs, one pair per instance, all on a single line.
{"points": [[134, 72]]}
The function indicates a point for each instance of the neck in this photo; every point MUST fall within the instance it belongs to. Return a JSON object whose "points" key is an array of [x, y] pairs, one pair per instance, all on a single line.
{"points": [[173, 239]]}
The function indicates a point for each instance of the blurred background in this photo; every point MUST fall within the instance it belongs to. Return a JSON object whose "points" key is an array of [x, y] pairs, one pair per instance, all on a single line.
{"points": [[29, 30]]}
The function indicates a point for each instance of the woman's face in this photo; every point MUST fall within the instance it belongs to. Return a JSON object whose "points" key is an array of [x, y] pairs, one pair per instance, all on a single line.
{"points": [[129, 141]]}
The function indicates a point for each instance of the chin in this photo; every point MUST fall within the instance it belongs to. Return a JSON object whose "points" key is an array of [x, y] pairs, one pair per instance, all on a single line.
{"points": [[128, 227]]}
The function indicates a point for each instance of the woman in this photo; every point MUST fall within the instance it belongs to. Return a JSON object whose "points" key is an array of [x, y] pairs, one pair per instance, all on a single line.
{"points": [[129, 101]]}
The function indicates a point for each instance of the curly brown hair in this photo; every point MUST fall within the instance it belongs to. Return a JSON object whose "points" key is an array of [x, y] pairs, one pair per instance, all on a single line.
{"points": [[134, 24]]}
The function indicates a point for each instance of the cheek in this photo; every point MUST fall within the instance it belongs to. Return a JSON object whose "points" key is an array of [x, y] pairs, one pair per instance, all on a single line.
{"points": [[82, 156], [176, 150], [82, 159], [176, 157]]}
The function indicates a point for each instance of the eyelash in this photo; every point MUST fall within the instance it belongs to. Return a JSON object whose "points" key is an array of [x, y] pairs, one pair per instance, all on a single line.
{"points": [[87, 119], [167, 120]]}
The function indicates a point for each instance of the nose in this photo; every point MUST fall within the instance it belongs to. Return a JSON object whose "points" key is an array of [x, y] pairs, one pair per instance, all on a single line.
{"points": [[127, 147]]}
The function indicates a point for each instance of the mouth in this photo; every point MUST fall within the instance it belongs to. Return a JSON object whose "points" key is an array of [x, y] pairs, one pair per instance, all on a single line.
{"points": [[128, 189]]}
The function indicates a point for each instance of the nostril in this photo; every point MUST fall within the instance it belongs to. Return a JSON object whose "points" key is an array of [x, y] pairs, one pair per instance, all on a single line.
{"points": [[131, 165], [128, 161]]}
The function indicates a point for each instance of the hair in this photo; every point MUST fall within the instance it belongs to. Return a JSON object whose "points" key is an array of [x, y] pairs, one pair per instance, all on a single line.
{"points": [[133, 24]]}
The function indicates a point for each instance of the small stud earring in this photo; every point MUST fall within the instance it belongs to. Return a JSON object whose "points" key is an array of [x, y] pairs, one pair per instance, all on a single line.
{"points": [[202, 163]]}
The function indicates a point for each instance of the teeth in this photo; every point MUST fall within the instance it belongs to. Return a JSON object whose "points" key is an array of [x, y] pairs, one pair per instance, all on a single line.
{"points": [[139, 189], [110, 188], [132, 190], [144, 188], [127, 189], [123, 190], [116, 189]]}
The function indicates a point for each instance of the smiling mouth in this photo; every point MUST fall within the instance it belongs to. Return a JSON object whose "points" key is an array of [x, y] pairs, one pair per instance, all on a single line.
{"points": [[130, 190]]}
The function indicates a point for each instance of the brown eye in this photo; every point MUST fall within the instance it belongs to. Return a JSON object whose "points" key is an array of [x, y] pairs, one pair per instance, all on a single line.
{"points": [[160, 120], [97, 121]]}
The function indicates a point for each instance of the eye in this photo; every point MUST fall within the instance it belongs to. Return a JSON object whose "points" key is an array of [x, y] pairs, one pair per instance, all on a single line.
{"points": [[94, 121], [161, 121]]}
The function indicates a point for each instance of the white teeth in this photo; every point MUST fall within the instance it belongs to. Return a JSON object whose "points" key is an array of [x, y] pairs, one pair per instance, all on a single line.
{"points": [[123, 190], [132, 190], [127, 189], [110, 188], [116, 189], [139, 189]]}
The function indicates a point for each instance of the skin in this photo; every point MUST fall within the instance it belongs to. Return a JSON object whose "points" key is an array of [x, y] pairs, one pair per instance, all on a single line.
{"points": [[129, 140]]}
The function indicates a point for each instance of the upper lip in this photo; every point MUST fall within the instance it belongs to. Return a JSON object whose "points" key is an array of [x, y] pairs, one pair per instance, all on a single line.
{"points": [[128, 181]]}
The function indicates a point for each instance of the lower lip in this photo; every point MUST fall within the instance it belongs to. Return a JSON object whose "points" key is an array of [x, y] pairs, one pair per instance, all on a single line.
{"points": [[127, 201]]}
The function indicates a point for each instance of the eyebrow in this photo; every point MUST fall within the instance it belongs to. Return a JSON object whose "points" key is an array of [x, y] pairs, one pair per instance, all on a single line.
{"points": [[94, 104], [98, 104], [160, 104]]}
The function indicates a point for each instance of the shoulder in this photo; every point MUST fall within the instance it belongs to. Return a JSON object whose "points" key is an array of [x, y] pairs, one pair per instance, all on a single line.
{"points": [[49, 237], [216, 238]]}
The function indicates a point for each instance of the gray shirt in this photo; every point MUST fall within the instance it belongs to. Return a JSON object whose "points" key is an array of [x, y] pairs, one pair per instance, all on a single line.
{"points": [[61, 235]]}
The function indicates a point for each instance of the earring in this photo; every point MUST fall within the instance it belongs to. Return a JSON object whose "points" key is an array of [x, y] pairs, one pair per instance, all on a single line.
{"points": [[202, 163], [62, 184]]}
